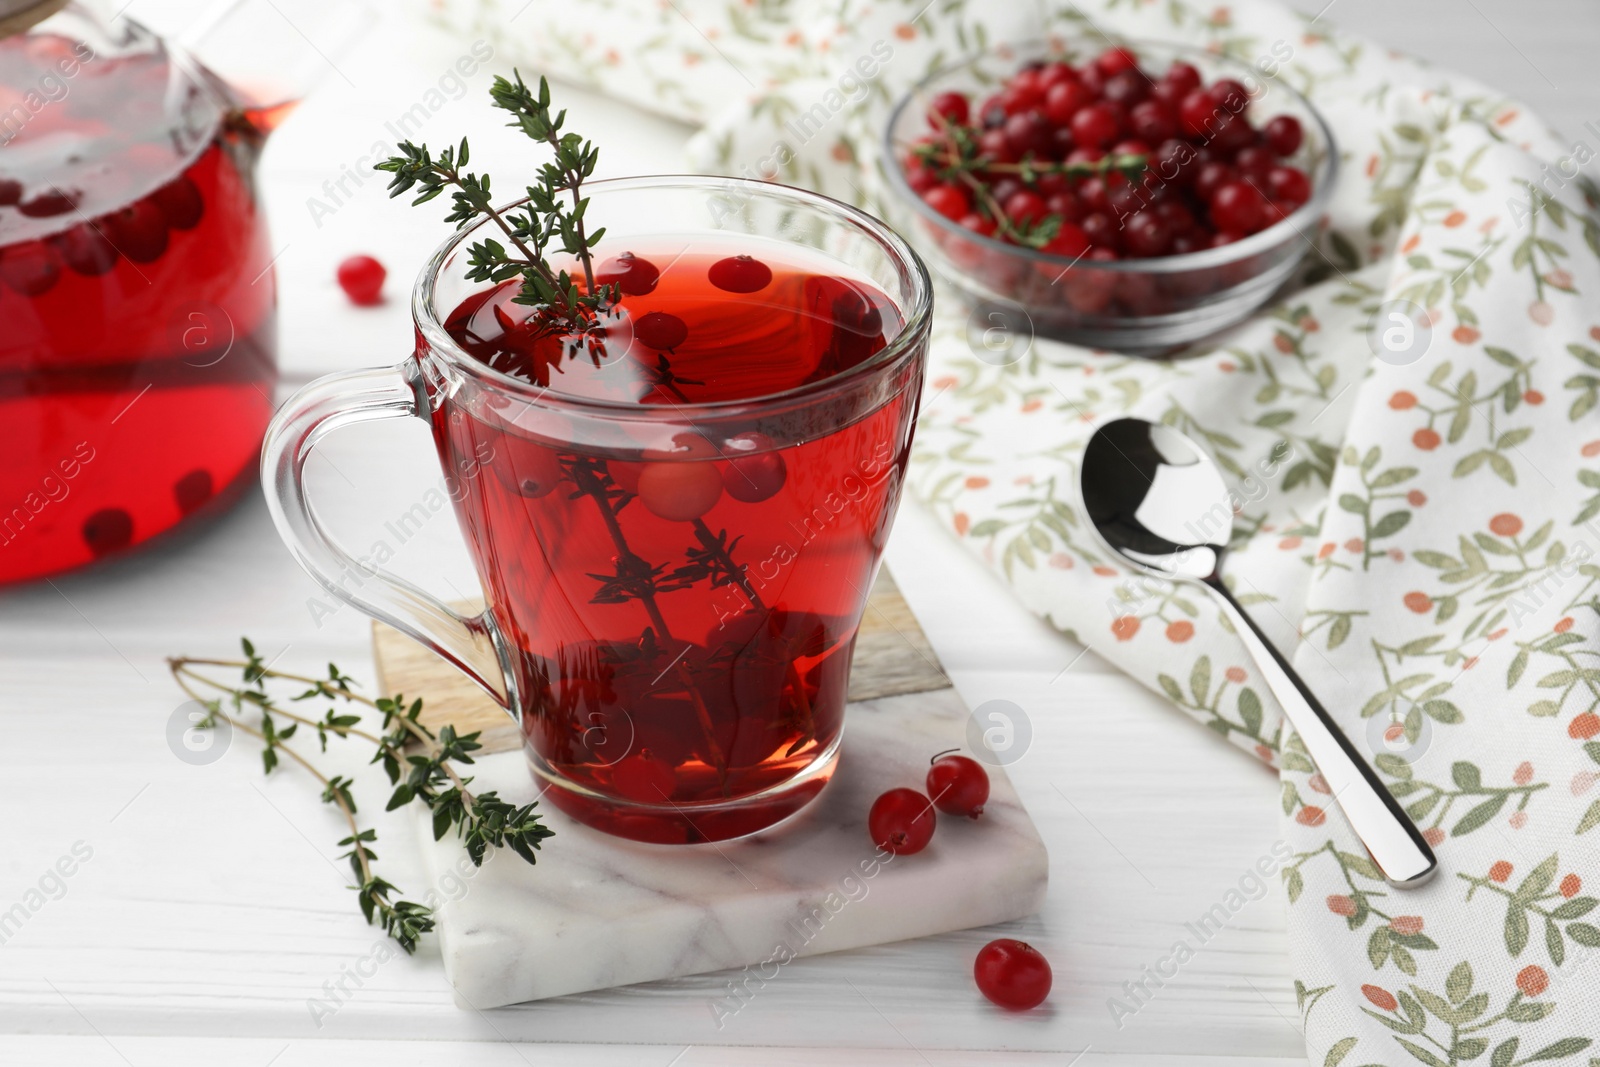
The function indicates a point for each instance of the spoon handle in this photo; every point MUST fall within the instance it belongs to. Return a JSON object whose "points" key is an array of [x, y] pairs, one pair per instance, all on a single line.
{"points": [[1383, 826]]}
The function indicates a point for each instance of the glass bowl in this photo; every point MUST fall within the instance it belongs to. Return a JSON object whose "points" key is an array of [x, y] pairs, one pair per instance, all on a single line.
{"points": [[1144, 307]]}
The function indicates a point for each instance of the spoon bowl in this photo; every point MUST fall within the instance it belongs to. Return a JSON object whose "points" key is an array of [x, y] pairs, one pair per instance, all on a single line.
{"points": [[1157, 500]]}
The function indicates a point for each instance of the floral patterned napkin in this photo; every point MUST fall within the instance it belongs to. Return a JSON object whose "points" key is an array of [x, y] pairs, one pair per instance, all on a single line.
{"points": [[1423, 536]]}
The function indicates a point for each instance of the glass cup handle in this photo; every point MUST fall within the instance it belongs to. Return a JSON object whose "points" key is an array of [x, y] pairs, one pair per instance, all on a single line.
{"points": [[470, 643]]}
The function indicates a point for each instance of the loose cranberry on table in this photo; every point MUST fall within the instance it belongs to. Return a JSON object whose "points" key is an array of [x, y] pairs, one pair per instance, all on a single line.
{"points": [[1012, 974], [958, 785], [1132, 159], [901, 821], [361, 278]]}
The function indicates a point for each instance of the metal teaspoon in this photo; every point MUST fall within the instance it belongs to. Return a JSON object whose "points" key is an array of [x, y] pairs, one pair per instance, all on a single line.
{"points": [[1160, 503]]}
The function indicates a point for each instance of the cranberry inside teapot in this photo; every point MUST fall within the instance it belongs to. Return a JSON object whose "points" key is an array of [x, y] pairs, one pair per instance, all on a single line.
{"points": [[137, 358]]}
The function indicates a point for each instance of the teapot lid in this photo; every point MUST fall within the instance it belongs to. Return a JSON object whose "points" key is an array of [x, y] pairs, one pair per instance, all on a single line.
{"points": [[18, 15]]}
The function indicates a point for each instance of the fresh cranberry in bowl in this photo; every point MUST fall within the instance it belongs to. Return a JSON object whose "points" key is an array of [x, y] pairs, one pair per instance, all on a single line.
{"points": [[1133, 198]]}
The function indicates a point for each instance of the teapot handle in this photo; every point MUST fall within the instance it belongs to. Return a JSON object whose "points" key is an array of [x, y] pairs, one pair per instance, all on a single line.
{"points": [[471, 643]]}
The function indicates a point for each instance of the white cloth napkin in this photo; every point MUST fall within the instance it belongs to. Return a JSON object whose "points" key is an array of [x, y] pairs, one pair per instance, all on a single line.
{"points": [[1422, 536]]}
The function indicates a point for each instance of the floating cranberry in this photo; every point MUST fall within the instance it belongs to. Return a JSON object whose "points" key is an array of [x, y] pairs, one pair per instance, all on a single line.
{"points": [[361, 278], [180, 203], [958, 785], [740, 274], [660, 331], [680, 490], [756, 469], [535, 471], [1283, 134], [946, 109], [1238, 207], [901, 821], [138, 231], [631, 275], [1012, 974], [108, 530], [29, 268], [948, 199], [644, 777], [85, 249], [46, 205], [625, 474], [192, 490], [10, 192]]}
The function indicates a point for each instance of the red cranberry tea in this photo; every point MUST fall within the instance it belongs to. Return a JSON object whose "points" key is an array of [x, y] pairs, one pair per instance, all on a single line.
{"points": [[682, 613], [136, 366]]}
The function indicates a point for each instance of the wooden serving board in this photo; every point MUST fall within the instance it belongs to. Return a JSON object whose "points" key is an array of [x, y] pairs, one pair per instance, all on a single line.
{"points": [[598, 911]]}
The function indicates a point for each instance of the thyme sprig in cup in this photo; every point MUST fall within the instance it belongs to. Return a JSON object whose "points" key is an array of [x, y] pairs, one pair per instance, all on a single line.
{"points": [[562, 305], [422, 767], [675, 456]]}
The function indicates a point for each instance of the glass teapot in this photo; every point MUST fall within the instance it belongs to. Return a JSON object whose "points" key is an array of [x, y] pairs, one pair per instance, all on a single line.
{"points": [[137, 296]]}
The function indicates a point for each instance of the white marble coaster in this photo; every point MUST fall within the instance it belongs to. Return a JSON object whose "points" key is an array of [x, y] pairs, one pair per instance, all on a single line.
{"points": [[598, 911]]}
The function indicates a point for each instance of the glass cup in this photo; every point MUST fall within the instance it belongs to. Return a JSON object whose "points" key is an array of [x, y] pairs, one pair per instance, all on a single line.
{"points": [[677, 677]]}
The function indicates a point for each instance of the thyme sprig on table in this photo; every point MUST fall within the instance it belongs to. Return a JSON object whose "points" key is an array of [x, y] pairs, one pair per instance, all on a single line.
{"points": [[420, 765], [551, 217]]}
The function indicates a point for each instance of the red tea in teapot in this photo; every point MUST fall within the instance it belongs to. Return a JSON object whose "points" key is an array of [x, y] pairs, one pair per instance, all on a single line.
{"points": [[681, 615], [136, 297]]}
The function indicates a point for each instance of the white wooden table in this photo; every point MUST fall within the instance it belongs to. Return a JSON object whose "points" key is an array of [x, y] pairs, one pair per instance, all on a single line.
{"points": [[210, 911]]}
